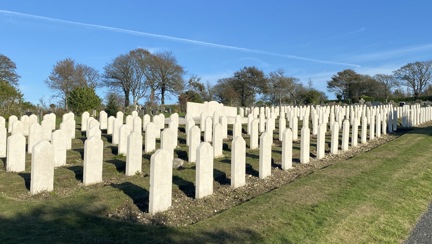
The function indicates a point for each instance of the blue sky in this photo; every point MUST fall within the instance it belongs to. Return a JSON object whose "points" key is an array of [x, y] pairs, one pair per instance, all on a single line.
{"points": [[310, 40]]}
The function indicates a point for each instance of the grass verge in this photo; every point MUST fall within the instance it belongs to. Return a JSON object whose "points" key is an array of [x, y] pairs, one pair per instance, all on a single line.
{"points": [[374, 197]]}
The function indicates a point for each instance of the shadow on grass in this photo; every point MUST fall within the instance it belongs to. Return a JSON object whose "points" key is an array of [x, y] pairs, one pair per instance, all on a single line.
{"points": [[26, 177], [119, 164], [182, 154], [187, 187], [3, 160], [139, 195], [86, 223], [221, 177], [78, 171], [251, 171]]}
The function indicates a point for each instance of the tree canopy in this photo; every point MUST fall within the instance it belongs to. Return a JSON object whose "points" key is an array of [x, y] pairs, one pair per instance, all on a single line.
{"points": [[68, 75], [83, 99], [415, 76], [8, 72]]}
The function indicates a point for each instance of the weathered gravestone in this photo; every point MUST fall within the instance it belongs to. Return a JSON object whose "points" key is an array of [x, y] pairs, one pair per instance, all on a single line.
{"points": [[15, 161], [59, 138], [134, 154], [204, 171], [160, 181], [238, 162], [93, 159], [42, 168], [265, 155], [3, 140]]}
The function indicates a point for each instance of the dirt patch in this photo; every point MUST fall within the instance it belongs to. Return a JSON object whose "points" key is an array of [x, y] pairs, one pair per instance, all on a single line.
{"points": [[186, 210]]}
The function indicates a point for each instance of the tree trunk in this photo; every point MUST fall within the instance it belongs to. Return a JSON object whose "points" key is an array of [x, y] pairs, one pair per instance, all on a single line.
{"points": [[163, 95]]}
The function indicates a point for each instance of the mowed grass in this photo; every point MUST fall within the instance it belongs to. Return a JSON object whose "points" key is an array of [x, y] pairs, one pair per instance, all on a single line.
{"points": [[374, 197]]}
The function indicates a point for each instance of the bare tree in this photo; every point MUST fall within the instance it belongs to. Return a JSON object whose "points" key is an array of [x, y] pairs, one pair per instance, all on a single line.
{"points": [[415, 75], [387, 84], [166, 75], [130, 74], [68, 75]]}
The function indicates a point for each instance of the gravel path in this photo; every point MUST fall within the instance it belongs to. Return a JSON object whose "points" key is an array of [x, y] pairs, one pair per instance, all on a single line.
{"points": [[422, 232]]}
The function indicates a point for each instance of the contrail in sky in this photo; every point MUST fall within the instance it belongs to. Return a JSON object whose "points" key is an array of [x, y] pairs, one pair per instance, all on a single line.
{"points": [[177, 39]]}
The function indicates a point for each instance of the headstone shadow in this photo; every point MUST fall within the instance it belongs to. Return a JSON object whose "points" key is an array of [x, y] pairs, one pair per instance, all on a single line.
{"points": [[251, 171], [139, 195], [78, 171], [221, 177], [187, 187], [119, 164], [26, 177]]}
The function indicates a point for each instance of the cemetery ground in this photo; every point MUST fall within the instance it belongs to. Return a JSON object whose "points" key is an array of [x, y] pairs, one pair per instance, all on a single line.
{"points": [[372, 193]]}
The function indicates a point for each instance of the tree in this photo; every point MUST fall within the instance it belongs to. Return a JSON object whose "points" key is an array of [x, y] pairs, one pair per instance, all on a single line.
{"points": [[68, 75], [387, 84], [225, 93], [166, 76], [8, 72], [130, 74], [113, 102], [415, 75], [281, 88], [83, 99], [248, 82], [349, 85], [10, 99]]}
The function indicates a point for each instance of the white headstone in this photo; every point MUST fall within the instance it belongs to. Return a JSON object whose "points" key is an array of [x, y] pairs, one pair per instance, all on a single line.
{"points": [[254, 136], [110, 125], [334, 147], [321, 141], [120, 115], [265, 155], [345, 135], [59, 138], [189, 124], [238, 162], [93, 159], [160, 182], [3, 140], [25, 122], [134, 154], [84, 117], [287, 149], [42, 168], [150, 137], [46, 130], [195, 140], [123, 139], [15, 161], [103, 120], [137, 124], [11, 120], [17, 127], [116, 131], [204, 170], [146, 119], [217, 141], [364, 125], [305, 144], [208, 129], [224, 123], [129, 121]]}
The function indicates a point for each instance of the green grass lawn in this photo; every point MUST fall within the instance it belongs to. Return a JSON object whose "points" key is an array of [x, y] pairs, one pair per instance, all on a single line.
{"points": [[374, 197]]}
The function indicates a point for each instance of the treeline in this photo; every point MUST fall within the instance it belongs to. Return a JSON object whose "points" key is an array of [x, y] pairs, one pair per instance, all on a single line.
{"points": [[143, 79]]}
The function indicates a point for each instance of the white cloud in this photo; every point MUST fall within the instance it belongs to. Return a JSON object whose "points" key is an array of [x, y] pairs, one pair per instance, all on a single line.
{"points": [[390, 54], [171, 38]]}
